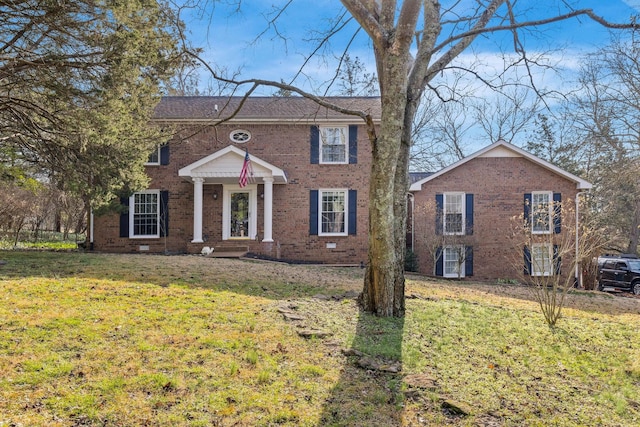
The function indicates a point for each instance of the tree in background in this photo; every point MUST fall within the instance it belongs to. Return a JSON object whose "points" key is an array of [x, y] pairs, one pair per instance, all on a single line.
{"points": [[607, 115], [78, 84]]}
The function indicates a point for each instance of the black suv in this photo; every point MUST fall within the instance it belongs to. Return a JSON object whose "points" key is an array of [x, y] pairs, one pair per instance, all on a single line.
{"points": [[620, 272]]}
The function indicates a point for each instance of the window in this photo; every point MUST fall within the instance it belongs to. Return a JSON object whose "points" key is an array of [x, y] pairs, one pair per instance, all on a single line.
{"points": [[454, 260], [454, 213], [333, 212], [542, 259], [154, 157], [144, 214], [240, 136], [541, 212], [333, 141]]}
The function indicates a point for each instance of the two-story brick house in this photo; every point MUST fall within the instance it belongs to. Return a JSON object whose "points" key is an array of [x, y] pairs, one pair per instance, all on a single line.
{"points": [[305, 196], [463, 216]]}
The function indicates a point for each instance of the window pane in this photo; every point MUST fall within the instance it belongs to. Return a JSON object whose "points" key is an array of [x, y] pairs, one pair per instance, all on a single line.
{"points": [[333, 211], [145, 214], [540, 219], [541, 260], [333, 145], [154, 157], [451, 261], [240, 214], [453, 213]]}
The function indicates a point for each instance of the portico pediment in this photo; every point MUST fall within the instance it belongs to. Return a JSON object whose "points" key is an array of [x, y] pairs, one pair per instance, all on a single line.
{"points": [[225, 165]]}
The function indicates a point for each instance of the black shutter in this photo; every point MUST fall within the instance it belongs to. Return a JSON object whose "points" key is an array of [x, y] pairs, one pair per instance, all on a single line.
{"points": [[557, 260], [313, 212], [527, 261], [439, 262], [353, 211], [469, 214], [164, 154], [439, 213], [468, 261], [353, 144], [164, 213], [527, 209], [315, 145], [124, 217], [557, 213]]}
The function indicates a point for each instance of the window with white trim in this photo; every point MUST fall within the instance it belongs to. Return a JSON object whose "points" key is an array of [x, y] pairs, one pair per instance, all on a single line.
{"points": [[333, 145], [154, 157], [453, 261], [541, 214], [333, 212], [144, 214], [542, 259], [454, 213]]}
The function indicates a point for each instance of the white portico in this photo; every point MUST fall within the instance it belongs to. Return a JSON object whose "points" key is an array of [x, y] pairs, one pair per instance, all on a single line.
{"points": [[239, 203]]}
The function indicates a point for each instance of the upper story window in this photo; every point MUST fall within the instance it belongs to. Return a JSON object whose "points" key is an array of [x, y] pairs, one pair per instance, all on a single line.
{"points": [[541, 212], [454, 213], [154, 157], [333, 145], [240, 136], [333, 212]]}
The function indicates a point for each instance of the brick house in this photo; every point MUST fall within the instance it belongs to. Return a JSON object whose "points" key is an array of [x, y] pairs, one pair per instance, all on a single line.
{"points": [[462, 216], [306, 198]]}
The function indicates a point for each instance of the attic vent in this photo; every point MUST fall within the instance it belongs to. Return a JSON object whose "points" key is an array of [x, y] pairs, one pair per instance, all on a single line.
{"points": [[240, 136]]}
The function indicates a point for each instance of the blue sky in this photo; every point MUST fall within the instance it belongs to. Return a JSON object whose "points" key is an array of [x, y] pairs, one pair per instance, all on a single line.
{"points": [[229, 37]]}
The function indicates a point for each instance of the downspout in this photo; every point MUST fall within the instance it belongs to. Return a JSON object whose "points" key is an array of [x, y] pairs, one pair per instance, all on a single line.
{"points": [[413, 230], [91, 229], [578, 273]]}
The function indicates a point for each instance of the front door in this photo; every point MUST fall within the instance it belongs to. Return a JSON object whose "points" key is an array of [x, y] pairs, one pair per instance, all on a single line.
{"points": [[239, 217]]}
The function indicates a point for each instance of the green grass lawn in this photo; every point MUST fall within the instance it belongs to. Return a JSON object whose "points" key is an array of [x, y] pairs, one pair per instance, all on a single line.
{"points": [[132, 340]]}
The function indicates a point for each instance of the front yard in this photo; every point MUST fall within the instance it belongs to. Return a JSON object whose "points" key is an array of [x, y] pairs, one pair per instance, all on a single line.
{"points": [[133, 340]]}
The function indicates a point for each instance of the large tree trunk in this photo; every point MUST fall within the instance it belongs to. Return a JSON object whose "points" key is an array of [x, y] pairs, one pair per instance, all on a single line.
{"points": [[383, 292]]}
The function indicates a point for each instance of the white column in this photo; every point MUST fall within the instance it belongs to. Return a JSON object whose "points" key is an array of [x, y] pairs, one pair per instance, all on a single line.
{"points": [[197, 210], [268, 209]]}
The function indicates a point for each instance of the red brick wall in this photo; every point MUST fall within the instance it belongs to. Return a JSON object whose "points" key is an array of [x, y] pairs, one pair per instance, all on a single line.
{"points": [[286, 146], [498, 186]]}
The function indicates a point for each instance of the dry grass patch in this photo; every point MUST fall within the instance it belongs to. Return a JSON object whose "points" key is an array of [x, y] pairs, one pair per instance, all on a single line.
{"points": [[130, 340]]}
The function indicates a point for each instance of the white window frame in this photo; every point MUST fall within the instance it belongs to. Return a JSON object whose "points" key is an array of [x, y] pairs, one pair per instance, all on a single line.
{"points": [[549, 195], [132, 214], [157, 162], [321, 193], [233, 136], [344, 136], [447, 253], [463, 211], [539, 266]]}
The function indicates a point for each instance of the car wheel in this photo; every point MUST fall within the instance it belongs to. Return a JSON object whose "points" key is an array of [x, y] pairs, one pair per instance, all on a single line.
{"points": [[600, 286], [635, 288]]}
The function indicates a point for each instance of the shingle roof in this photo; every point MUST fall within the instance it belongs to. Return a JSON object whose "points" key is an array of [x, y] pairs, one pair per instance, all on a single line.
{"points": [[197, 108]]}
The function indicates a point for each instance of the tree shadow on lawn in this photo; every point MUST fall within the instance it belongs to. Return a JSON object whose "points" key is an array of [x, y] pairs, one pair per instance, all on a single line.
{"points": [[369, 391]]}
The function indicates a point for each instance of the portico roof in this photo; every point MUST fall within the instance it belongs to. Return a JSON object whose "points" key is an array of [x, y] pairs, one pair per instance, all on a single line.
{"points": [[224, 167]]}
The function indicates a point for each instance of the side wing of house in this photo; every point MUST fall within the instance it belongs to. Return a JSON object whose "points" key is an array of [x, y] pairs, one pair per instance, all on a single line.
{"points": [[464, 216]]}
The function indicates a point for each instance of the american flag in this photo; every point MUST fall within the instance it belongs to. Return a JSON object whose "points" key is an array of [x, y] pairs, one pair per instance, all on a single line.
{"points": [[246, 173]]}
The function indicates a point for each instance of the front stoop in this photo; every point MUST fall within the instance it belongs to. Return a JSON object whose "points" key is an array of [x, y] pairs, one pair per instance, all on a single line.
{"points": [[229, 252]]}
